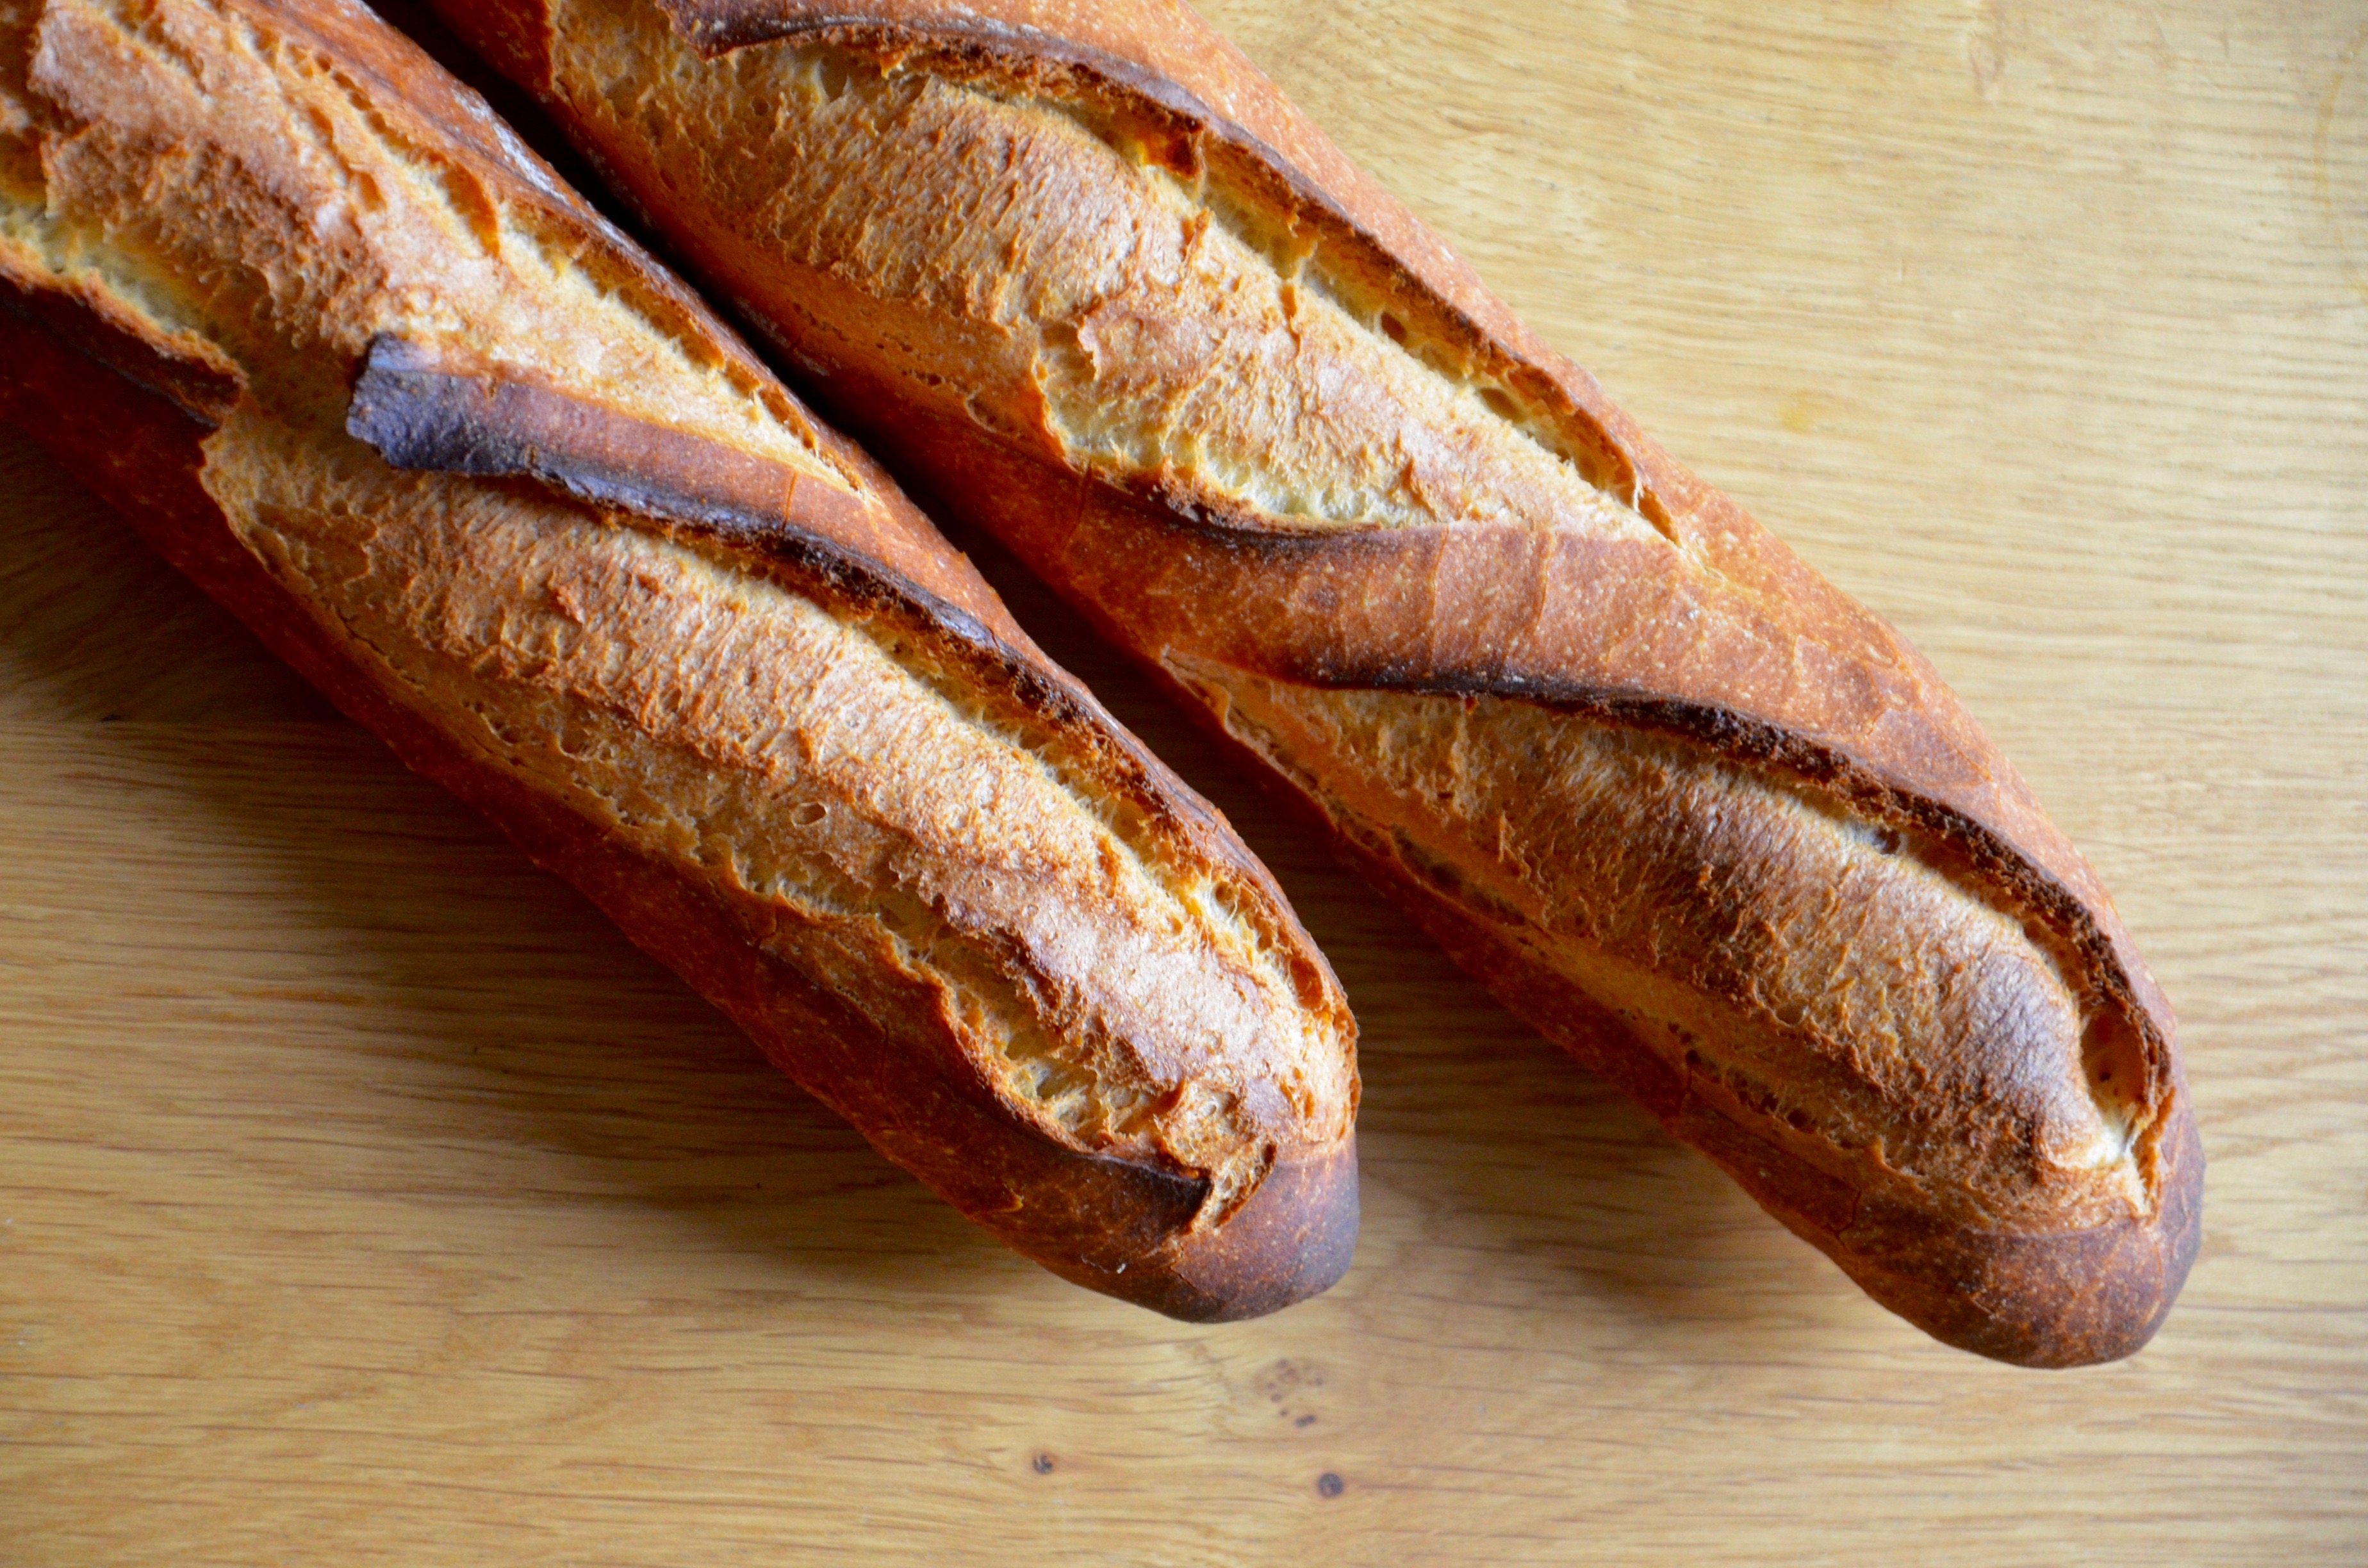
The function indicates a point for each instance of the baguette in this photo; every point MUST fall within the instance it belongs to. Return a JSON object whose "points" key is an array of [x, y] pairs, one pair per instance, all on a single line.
{"points": [[462, 454], [1080, 271]]}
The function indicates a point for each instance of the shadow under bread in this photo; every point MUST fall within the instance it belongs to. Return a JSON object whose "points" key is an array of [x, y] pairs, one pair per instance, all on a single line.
{"points": [[1475, 1132], [525, 1029]]}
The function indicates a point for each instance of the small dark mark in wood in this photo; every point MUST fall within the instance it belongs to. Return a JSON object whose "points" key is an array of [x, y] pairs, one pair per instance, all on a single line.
{"points": [[1043, 1464], [1304, 1421], [1330, 1485]]}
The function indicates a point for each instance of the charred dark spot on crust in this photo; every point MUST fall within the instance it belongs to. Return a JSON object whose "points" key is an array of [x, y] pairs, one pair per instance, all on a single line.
{"points": [[517, 434], [425, 411]]}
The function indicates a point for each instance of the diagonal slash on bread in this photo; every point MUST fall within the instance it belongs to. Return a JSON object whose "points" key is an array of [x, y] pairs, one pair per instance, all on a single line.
{"points": [[1080, 270], [463, 454]]}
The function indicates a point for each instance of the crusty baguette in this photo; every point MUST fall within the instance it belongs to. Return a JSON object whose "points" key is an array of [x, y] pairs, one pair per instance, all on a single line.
{"points": [[354, 361], [1079, 271]]}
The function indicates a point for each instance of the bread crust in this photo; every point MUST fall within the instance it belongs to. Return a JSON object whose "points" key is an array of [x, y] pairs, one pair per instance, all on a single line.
{"points": [[2006, 1155], [1231, 1189]]}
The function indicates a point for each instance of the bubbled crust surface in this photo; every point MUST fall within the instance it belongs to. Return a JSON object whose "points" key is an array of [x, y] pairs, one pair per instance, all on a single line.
{"points": [[1081, 271], [847, 801]]}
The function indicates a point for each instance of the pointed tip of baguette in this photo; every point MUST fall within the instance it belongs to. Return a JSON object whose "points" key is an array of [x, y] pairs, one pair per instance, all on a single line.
{"points": [[1293, 1240], [2077, 1299]]}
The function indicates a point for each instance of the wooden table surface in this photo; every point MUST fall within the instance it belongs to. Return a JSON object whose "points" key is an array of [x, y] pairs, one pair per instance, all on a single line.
{"points": [[365, 1198]]}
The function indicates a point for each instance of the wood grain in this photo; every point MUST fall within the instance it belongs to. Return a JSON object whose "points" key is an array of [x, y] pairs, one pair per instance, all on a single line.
{"points": [[364, 1198]]}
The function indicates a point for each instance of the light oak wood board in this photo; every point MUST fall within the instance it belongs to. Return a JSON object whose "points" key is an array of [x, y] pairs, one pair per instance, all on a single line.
{"points": [[365, 1198]]}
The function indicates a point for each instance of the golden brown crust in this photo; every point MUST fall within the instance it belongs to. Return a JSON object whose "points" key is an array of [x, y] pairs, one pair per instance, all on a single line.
{"points": [[1080, 1010], [2063, 1300], [1101, 288], [431, 411]]}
